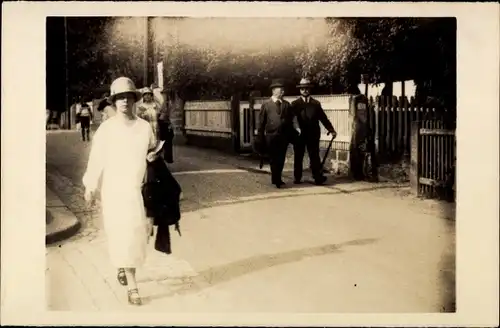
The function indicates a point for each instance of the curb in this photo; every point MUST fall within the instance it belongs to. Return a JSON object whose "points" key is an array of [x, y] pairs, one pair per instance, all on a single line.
{"points": [[61, 222]]}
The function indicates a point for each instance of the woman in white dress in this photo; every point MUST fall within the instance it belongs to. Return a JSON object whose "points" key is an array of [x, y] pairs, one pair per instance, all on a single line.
{"points": [[119, 152]]}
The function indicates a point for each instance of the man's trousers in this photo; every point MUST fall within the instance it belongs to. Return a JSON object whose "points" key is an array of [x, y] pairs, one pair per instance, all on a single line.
{"points": [[85, 127], [277, 145], [311, 143]]}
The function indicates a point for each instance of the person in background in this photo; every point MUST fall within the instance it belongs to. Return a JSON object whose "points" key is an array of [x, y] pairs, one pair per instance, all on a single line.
{"points": [[362, 153], [106, 109], [78, 103], [121, 148], [75, 108], [85, 118], [166, 131], [277, 129], [309, 113], [149, 110], [157, 116]]}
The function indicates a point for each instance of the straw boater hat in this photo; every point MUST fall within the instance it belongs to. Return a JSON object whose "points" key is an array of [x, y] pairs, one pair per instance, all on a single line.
{"points": [[277, 83], [305, 83], [123, 85]]}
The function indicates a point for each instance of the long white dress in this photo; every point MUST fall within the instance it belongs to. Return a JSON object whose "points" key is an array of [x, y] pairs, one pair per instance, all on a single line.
{"points": [[118, 153]]}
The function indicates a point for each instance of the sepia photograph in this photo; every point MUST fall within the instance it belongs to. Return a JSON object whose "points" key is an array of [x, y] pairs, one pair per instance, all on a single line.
{"points": [[286, 164], [250, 164]]}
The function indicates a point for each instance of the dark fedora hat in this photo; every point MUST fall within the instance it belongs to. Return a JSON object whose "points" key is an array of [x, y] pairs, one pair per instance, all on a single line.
{"points": [[305, 83], [276, 83]]}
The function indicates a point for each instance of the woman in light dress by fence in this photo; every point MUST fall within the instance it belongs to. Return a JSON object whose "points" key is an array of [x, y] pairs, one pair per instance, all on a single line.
{"points": [[120, 148]]}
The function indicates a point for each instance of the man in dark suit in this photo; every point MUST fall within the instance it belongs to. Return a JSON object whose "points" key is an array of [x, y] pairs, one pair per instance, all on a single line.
{"points": [[277, 129], [309, 113]]}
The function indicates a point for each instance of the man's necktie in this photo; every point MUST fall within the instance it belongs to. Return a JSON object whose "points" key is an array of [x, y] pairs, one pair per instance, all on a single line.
{"points": [[278, 103]]}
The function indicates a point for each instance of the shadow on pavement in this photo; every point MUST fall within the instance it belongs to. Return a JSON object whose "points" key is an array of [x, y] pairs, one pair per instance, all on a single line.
{"points": [[230, 271]]}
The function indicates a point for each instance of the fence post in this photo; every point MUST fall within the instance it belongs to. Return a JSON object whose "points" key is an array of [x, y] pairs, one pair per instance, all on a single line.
{"points": [[358, 116], [62, 120], [376, 125], [235, 122], [252, 127], [414, 157]]}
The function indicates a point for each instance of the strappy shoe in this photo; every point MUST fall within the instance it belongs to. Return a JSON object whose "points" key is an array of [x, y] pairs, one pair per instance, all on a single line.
{"points": [[122, 277], [133, 297]]}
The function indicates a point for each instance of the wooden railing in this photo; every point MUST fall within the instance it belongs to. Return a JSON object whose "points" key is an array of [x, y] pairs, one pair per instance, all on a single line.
{"points": [[208, 118], [391, 122]]}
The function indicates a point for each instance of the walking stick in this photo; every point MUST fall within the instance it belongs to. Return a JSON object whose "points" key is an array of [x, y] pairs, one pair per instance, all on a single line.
{"points": [[259, 149], [263, 159], [326, 154]]}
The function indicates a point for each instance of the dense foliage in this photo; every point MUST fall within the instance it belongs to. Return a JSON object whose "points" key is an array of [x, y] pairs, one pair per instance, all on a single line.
{"points": [[385, 49]]}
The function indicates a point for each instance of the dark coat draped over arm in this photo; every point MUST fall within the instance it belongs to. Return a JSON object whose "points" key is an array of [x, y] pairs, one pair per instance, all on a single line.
{"points": [[161, 194]]}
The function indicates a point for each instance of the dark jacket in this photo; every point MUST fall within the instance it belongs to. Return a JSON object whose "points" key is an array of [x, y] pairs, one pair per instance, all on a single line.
{"points": [[274, 120], [161, 193], [309, 115]]}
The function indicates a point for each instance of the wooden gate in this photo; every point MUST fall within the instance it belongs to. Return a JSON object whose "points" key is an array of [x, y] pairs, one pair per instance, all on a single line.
{"points": [[433, 160], [247, 125]]}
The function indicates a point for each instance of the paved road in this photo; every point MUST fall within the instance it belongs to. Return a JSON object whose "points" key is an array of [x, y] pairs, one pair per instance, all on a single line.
{"points": [[248, 247]]}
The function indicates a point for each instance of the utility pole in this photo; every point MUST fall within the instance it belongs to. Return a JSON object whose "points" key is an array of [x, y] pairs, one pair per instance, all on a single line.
{"points": [[155, 54], [364, 79], [146, 47], [66, 72]]}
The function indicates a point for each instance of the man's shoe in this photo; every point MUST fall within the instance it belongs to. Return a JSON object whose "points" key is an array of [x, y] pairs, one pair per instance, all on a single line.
{"points": [[297, 181], [279, 184], [320, 180]]}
